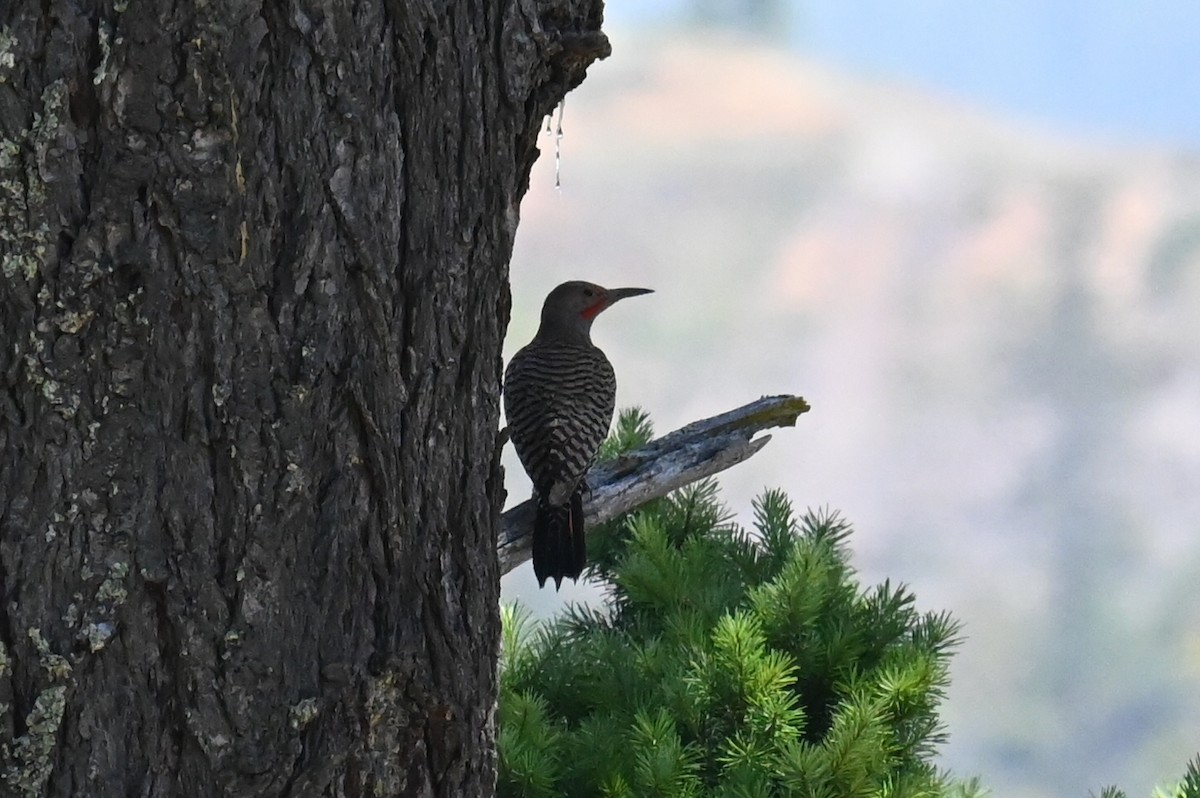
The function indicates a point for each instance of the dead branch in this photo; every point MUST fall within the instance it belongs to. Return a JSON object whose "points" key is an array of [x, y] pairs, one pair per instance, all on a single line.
{"points": [[698, 450]]}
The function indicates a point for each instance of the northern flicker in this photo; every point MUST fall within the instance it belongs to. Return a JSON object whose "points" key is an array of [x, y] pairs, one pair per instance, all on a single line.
{"points": [[559, 393]]}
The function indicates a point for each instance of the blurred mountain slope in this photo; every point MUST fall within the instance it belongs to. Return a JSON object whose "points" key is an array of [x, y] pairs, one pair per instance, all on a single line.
{"points": [[998, 330]]}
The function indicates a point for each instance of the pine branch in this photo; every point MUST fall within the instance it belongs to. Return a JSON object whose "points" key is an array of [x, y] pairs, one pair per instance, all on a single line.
{"points": [[698, 450]]}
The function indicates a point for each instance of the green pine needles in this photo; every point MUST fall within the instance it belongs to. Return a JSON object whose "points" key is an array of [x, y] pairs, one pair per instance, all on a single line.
{"points": [[1188, 787], [726, 662]]}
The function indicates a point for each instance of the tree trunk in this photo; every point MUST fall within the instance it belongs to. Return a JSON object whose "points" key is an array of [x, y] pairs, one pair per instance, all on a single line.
{"points": [[253, 291]]}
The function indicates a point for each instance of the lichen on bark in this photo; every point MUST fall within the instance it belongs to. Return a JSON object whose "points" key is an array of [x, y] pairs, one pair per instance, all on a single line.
{"points": [[253, 287]]}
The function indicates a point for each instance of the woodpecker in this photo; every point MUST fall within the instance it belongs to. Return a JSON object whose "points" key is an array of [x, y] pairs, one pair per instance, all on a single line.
{"points": [[559, 392]]}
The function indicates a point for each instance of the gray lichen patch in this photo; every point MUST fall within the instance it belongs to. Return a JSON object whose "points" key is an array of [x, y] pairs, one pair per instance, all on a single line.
{"points": [[48, 124], [101, 623], [55, 665], [26, 239], [25, 767], [296, 481], [303, 713], [112, 590], [24, 236], [72, 322], [104, 35], [28, 765], [22, 242], [98, 634], [8, 56], [65, 402]]}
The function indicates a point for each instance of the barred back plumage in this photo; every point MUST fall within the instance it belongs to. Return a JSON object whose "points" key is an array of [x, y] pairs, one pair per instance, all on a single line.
{"points": [[559, 398], [559, 394]]}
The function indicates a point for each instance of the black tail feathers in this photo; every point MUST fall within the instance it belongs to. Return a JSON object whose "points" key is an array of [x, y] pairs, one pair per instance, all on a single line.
{"points": [[559, 545]]}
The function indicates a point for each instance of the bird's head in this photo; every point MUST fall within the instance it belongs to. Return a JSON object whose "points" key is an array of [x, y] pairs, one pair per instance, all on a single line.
{"points": [[574, 305]]}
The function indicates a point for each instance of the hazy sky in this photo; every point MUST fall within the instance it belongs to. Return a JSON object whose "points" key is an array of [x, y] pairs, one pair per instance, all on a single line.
{"points": [[916, 270], [1127, 69]]}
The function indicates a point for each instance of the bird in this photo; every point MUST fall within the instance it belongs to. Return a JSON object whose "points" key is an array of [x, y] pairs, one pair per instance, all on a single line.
{"points": [[559, 394]]}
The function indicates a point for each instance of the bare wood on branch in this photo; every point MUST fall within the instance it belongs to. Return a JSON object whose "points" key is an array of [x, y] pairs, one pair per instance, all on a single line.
{"points": [[699, 450]]}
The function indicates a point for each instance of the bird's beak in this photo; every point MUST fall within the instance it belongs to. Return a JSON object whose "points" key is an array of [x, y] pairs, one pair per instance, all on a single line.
{"points": [[615, 294]]}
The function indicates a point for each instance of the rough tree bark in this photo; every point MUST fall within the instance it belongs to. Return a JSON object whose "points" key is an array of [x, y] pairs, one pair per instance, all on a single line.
{"points": [[253, 290]]}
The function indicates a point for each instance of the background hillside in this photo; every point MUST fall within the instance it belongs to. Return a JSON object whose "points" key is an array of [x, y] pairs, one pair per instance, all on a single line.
{"points": [[997, 328]]}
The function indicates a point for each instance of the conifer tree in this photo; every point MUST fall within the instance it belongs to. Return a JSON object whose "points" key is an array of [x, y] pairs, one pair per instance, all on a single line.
{"points": [[726, 662]]}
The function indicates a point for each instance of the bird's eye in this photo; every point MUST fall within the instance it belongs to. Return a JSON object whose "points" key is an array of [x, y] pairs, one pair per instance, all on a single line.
{"points": [[588, 292]]}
